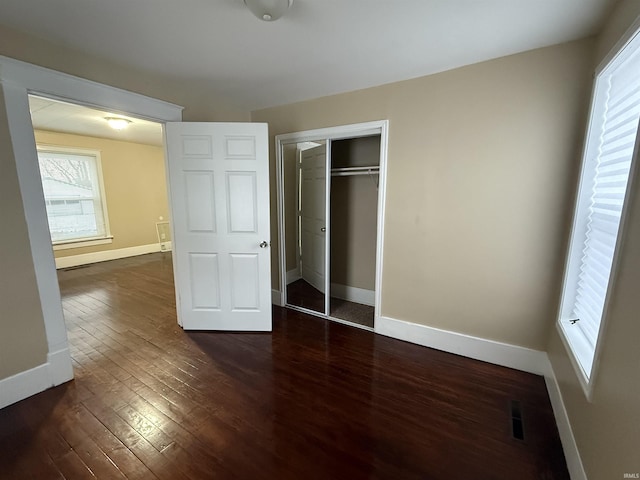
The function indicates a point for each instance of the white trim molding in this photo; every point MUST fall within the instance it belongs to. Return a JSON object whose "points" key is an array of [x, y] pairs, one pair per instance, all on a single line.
{"points": [[60, 368], [569, 446], [82, 243], [276, 298], [17, 80], [293, 275], [24, 384], [62, 86], [353, 294], [498, 353], [105, 255], [56, 371]]}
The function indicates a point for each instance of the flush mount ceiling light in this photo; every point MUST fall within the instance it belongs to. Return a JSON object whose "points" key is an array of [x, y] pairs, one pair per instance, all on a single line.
{"points": [[118, 123], [268, 10]]}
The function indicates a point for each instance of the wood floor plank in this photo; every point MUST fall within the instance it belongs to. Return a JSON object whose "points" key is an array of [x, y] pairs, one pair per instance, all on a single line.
{"points": [[72, 467], [151, 433], [312, 400], [126, 461], [143, 449]]}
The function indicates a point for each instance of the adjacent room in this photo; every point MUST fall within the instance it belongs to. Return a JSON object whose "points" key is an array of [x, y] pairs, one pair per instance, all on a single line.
{"points": [[105, 188], [280, 239]]}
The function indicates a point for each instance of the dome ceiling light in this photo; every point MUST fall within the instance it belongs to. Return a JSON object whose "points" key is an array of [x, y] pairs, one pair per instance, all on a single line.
{"points": [[268, 10], [118, 123]]}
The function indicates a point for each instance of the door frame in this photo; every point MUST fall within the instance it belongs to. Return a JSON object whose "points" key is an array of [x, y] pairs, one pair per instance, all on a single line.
{"points": [[342, 132], [17, 80]]}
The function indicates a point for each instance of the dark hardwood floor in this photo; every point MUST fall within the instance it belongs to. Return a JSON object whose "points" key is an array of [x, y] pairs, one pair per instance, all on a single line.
{"points": [[302, 294], [312, 400]]}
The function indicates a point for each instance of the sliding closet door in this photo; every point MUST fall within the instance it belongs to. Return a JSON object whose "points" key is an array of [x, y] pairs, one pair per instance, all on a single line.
{"points": [[331, 208]]}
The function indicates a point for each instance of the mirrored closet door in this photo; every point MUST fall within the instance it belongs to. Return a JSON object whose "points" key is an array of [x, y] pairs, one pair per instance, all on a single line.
{"points": [[329, 224], [305, 182]]}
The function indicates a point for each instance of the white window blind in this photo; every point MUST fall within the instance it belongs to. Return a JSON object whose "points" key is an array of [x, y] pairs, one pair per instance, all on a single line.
{"points": [[73, 195], [609, 152]]}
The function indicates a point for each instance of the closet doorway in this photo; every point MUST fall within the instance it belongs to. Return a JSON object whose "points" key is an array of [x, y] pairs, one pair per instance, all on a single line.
{"points": [[331, 190]]}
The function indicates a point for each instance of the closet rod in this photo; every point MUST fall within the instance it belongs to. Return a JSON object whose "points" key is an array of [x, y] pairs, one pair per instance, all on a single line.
{"points": [[357, 169], [360, 172]]}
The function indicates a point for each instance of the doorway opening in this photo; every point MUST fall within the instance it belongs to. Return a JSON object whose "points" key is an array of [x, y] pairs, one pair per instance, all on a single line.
{"points": [[105, 189], [18, 80]]}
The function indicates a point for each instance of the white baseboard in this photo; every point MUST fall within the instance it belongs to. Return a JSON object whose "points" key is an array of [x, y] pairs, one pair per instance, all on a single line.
{"points": [[60, 367], [22, 385], [276, 298], [571, 453], [505, 354], [293, 275], [103, 256], [353, 294]]}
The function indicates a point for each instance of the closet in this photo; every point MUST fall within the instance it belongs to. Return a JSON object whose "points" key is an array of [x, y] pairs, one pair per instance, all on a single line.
{"points": [[329, 213]]}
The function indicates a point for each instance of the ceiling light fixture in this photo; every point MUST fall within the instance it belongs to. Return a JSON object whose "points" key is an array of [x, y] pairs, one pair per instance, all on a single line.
{"points": [[268, 10], [118, 123]]}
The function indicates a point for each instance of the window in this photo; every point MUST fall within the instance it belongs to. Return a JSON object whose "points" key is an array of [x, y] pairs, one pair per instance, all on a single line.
{"points": [[605, 179], [73, 193]]}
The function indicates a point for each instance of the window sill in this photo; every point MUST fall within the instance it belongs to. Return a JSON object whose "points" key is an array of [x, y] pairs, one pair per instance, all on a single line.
{"points": [[89, 242], [573, 341]]}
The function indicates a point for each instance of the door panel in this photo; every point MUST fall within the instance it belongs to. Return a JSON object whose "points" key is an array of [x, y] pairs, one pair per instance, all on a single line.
{"points": [[201, 204], [244, 294], [313, 214], [241, 202], [219, 186], [205, 280]]}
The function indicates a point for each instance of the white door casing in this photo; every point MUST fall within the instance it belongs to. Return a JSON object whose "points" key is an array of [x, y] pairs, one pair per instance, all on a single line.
{"points": [[17, 80], [313, 215], [219, 193]]}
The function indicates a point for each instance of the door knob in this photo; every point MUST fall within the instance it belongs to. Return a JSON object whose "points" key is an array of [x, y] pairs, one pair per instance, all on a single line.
{"points": [[264, 244], [323, 229]]}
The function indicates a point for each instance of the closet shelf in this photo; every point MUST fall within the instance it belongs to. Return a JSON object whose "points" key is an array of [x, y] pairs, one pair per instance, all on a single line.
{"points": [[341, 172]]}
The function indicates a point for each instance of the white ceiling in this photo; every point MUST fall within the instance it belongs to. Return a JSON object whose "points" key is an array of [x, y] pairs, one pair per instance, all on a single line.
{"points": [[319, 47], [67, 118]]}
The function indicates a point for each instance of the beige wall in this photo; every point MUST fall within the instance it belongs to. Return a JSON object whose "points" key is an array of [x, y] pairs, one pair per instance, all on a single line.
{"points": [[23, 344], [354, 210], [480, 163], [135, 188], [607, 429]]}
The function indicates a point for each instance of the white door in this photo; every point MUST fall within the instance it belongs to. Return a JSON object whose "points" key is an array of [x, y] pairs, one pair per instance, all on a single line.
{"points": [[219, 193], [313, 214]]}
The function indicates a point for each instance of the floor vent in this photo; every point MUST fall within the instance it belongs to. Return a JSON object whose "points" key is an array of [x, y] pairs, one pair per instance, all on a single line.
{"points": [[517, 425]]}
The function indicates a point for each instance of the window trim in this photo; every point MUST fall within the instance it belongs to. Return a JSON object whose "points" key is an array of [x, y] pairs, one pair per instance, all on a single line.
{"points": [[85, 242], [566, 333], [107, 238]]}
